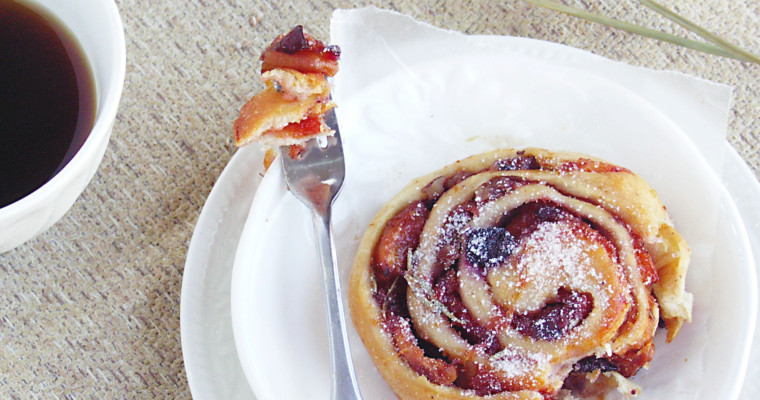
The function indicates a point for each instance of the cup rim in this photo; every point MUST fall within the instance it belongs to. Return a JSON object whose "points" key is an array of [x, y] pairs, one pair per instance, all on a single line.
{"points": [[106, 115]]}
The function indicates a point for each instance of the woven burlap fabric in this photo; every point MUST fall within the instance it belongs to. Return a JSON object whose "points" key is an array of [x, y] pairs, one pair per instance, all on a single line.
{"points": [[91, 307]]}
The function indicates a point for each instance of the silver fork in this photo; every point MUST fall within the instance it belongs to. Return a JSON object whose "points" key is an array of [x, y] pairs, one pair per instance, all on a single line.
{"points": [[316, 178]]}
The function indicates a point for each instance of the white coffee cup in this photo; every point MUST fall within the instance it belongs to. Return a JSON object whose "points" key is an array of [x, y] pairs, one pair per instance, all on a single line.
{"points": [[97, 27]]}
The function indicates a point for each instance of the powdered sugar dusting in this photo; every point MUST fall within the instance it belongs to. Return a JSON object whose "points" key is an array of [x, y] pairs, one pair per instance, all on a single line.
{"points": [[516, 362], [553, 256]]}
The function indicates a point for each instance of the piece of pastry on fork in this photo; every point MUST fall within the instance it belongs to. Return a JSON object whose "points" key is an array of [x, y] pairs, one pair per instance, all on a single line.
{"points": [[290, 110]]}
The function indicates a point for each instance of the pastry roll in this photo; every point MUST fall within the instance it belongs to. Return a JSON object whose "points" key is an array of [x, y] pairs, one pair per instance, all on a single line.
{"points": [[518, 274]]}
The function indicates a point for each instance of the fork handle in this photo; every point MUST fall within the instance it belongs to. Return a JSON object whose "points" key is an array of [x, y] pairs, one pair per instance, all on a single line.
{"points": [[344, 385]]}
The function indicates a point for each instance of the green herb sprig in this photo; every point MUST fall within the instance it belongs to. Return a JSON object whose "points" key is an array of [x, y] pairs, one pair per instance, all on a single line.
{"points": [[715, 45]]}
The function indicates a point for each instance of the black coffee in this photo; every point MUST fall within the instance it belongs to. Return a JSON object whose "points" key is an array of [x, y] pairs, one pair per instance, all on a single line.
{"points": [[47, 99]]}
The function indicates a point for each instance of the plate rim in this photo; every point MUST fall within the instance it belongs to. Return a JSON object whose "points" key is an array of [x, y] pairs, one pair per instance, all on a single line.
{"points": [[197, 262]]}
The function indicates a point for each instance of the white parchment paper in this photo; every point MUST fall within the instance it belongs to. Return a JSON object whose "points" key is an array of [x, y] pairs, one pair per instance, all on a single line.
{"points": [[413, 98]]}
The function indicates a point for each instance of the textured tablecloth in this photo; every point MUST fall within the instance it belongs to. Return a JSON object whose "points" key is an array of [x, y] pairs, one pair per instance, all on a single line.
{"points": [[91, 307]]}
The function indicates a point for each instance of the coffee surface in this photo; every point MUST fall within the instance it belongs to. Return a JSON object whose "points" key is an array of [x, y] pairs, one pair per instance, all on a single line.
{"points": [[47, 99]]}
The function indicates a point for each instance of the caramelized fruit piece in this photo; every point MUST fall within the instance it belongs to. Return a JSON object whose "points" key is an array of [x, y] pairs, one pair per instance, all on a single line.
{"points": [[400, 235], [307, 127], [556, 318], [302, 52], [486, 247], [436, 370]]}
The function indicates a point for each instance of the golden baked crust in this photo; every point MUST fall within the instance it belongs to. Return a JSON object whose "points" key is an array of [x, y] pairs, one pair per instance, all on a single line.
{"points": [[623, 267]]}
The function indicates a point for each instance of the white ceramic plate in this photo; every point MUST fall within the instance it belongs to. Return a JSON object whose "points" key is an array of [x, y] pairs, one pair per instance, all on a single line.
{"points": [[211, 362], [277, 312]]}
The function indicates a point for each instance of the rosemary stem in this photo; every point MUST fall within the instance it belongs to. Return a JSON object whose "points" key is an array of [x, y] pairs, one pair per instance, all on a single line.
{"points": [[704, 33], [639, 30]]}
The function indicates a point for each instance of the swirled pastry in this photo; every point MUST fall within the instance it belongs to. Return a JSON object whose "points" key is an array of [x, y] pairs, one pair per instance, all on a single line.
{"points": [[523, 274]]}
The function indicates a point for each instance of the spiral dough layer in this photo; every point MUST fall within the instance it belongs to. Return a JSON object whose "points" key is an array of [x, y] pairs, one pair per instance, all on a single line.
{"points": [[518, 274]]}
